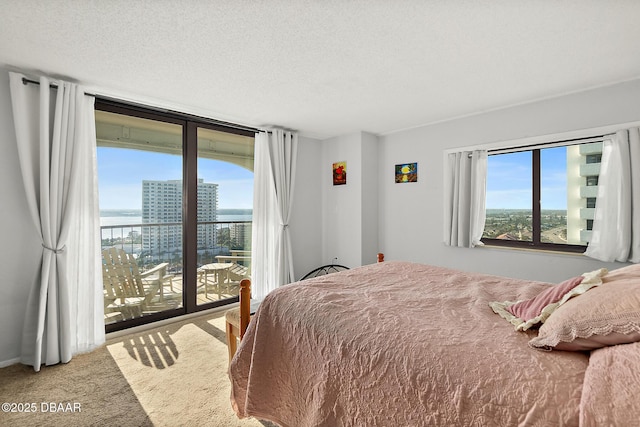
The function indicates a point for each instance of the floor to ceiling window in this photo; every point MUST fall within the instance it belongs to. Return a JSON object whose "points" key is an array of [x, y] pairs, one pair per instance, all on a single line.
{"points": [[225, 198], [176, 196]]}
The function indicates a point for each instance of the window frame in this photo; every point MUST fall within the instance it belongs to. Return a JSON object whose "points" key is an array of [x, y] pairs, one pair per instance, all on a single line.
{"points": [[190, 124], [536, 210]]}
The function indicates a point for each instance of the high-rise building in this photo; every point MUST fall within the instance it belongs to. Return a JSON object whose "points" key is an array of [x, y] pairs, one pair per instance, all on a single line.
{"points": [[583, 171], [240, 234], [207, 214], [162, 204]]}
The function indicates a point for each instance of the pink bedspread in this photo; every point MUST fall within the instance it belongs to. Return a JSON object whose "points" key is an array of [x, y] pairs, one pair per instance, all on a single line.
{"points": [[611, 393], [400, 344]]}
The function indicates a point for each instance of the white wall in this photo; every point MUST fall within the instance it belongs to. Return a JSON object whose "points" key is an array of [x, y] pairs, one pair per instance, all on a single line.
{"points": [[369, 248], [306, 234], [19, 239], [411, 216], [350, 212], [342, 209]]}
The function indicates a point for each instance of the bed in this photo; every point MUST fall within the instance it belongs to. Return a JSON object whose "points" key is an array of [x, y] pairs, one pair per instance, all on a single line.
{"points": [[407, 344]]}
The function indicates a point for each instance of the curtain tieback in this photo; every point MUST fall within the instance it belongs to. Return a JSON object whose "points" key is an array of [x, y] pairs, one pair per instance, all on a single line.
{"points": [[55, 251], [284, 225]]}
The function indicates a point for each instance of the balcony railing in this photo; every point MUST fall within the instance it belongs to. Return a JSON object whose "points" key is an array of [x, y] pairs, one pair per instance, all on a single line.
{"points": [[154, 244], [162, 242]]}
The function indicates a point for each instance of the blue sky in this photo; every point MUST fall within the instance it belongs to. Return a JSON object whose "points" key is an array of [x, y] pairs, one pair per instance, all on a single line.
{"points": [[121, 171], [509, 180]]}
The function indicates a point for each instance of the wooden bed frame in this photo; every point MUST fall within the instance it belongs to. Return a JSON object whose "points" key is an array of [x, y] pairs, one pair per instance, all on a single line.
{"points": [[237, 319]]}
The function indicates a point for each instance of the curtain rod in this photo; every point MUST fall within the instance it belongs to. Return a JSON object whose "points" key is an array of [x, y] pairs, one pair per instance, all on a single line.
{"points": [[233, 125], [51, 85], [550, 144], [183, 115]]}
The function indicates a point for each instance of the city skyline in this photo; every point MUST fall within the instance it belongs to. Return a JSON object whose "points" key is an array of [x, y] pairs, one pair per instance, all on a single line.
{"points": [[121, 172]]}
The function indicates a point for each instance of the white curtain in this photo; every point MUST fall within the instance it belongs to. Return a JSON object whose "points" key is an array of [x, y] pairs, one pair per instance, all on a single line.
{"points": [[274, 172], [465, 193], [616, 225], [56, 147]]}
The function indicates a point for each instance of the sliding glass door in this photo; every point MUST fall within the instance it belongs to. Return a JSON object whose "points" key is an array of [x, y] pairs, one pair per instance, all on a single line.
{"points": [[225, 198], [175, 208]]}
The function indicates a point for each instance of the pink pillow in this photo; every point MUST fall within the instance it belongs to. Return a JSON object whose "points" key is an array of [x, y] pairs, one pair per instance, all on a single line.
{"points": [[528, 313], [528, 309], [606, 315]]}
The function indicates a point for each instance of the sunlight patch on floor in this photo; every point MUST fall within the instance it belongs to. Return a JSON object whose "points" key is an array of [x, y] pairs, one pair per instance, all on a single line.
{"points": [[179, 373]]}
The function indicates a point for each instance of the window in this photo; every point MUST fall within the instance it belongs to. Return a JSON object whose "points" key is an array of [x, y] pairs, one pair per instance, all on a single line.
{"points": [[562, 177], [593, 158], [176, 196]]}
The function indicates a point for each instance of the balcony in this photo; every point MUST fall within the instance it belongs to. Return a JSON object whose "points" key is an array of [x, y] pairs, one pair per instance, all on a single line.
{"points": [[592, 148], [590, 169], [159, 265]]}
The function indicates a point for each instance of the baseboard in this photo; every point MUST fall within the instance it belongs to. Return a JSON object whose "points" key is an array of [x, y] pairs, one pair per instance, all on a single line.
{"points": [[5, 363], [152, 325]]}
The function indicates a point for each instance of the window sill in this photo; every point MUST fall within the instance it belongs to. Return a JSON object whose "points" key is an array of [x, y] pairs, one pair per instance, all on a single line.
{"points": [[531, 250]]}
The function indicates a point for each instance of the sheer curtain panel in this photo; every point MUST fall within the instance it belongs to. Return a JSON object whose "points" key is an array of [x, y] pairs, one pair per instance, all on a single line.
{"points": [[465, 192], [616, 224], [274, 172], [55, 133]]}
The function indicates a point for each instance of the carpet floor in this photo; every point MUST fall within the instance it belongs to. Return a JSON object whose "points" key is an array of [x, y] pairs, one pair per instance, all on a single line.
{"points": [[173, 375]]}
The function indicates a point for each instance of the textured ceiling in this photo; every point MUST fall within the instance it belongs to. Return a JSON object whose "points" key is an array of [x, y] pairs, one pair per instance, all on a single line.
{"points": [[327, 68]]}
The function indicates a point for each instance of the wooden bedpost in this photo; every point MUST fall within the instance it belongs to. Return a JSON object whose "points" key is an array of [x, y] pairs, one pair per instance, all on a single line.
{"points": [[380, 257], [245, 305]]}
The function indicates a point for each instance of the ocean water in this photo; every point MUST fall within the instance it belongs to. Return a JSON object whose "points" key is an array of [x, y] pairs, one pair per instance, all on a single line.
{"points": [[123, 219], [119, 220], [111, 217]]}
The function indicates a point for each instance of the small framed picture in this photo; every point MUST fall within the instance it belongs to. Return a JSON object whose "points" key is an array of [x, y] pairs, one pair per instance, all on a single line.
{"points": [[407, 172], [339, 173]]}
